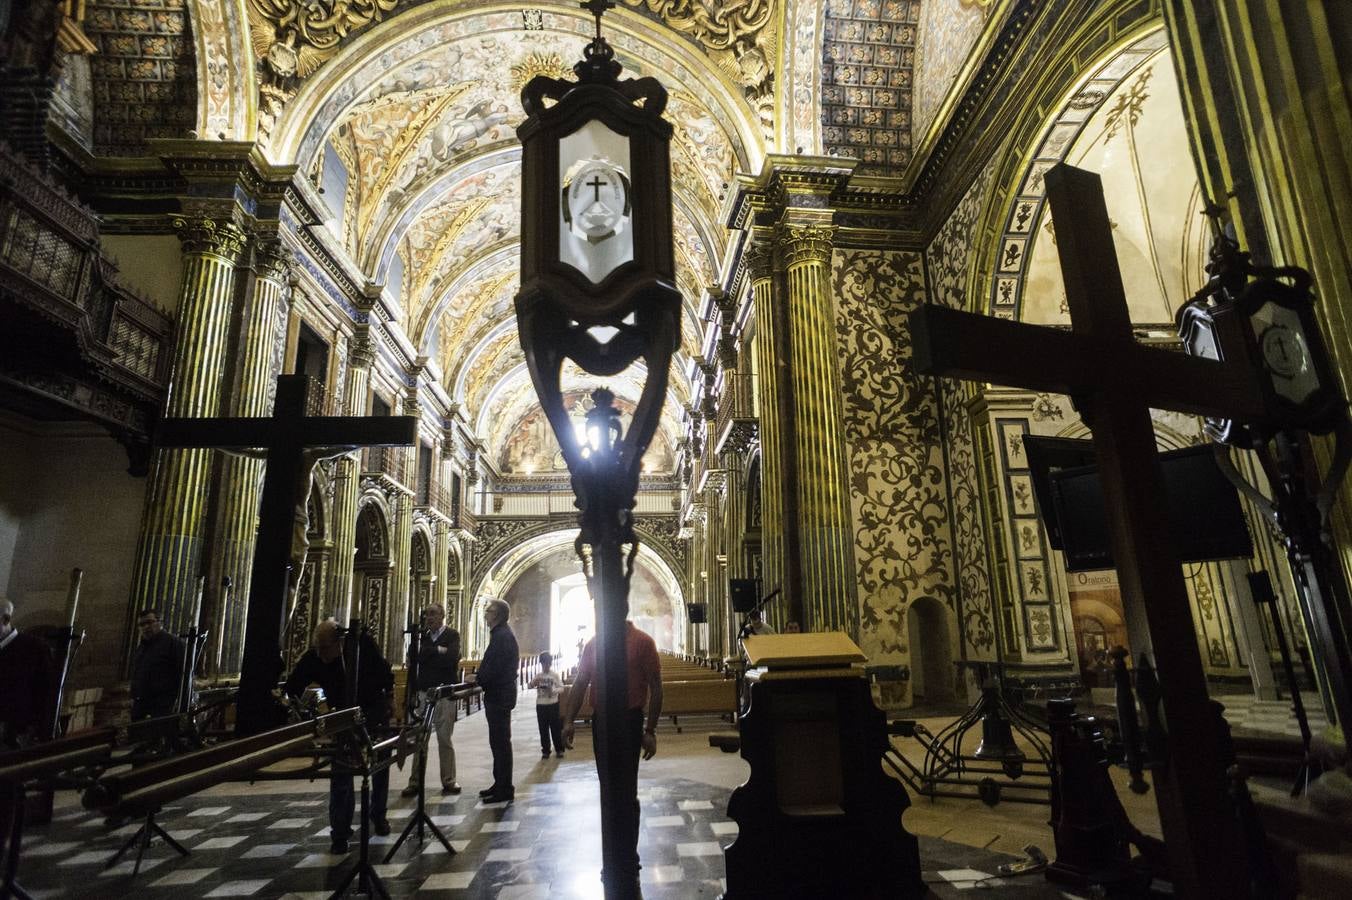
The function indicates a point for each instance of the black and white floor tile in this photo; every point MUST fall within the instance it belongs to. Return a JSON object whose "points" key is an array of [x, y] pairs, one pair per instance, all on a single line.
{"points": [[272, 843]]}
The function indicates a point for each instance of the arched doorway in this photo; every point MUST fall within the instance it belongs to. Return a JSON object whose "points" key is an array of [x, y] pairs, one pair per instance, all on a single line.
{"points": [[931, 658], [420, 574], [371, 569]]}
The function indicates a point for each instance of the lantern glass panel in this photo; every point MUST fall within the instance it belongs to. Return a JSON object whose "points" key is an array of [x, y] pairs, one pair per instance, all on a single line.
{"points": [[595, 233], [1285, 351]]}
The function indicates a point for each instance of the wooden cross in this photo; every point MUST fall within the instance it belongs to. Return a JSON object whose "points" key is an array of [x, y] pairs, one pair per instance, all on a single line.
{"points": [[1115, 382], [289, 438]]}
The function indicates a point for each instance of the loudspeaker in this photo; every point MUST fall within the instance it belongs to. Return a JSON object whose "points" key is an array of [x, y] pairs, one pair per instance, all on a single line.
{"points": [[743, 594], [698, 613]]}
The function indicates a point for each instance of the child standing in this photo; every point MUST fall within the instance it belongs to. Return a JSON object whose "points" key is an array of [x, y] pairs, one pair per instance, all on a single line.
{"points": [[548, 687]]}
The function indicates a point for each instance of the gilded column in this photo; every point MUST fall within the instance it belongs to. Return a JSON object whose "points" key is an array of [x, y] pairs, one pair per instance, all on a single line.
{"points": [[1267, 88], [401, 538], [347, 474], [401, 545], [771, 361], [169, 556], [441, 566], [261, 344], [824, 519]]}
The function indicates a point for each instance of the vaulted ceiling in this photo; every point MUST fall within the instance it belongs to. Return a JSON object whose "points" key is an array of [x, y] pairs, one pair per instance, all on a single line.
{"points": [[404, 114]]}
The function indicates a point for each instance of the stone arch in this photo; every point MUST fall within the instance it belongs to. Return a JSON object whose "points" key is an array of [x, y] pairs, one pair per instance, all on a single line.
{"points": [[422, 575], [929, 627], [505, 562], [1021, 154], [371, 563]]}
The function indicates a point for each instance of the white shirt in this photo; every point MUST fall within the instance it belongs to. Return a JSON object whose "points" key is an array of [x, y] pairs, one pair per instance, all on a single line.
{"points": [[4, 642], [548, 685]]}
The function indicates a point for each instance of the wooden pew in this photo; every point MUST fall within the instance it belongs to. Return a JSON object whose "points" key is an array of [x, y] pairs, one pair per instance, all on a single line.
{"points": [[703, 697]]}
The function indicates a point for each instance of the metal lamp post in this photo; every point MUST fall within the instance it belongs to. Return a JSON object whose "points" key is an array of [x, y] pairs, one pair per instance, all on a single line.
{"points": [[598, 288]]}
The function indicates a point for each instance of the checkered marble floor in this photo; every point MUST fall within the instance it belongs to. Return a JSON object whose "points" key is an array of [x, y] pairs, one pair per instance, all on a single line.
{"points": [[272, 840]]}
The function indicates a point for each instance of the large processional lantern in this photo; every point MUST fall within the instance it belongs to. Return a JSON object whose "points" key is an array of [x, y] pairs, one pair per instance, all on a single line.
{"points": [[1263, 317], [597, 268], [598, 288]]}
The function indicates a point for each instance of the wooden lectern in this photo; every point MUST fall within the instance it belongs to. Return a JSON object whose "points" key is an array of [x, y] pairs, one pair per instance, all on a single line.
{"points": [[818, 817]]}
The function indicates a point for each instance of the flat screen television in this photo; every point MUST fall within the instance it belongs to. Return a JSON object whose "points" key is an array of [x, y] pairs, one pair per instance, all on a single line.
{"points": [[1206, 520], [1045, 456]]}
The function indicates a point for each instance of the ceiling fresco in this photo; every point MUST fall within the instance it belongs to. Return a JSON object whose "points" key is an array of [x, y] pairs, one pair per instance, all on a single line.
{"points": [[425, 122]]}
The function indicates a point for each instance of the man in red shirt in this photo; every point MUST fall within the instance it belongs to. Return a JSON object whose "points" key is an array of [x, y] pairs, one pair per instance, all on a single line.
{"points": [[644, 670]]}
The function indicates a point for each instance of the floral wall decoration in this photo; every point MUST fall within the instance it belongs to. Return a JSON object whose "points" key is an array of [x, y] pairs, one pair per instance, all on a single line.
{"points": [[948, 258], [903, 545]]}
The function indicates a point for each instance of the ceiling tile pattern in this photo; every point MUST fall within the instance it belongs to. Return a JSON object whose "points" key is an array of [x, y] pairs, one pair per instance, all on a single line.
{"points": [[144, 76], [868, 54]]}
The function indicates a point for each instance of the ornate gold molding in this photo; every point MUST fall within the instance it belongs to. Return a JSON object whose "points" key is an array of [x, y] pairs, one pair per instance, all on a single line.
{"points": [[739, 37], [204, 235], [806, 243]]}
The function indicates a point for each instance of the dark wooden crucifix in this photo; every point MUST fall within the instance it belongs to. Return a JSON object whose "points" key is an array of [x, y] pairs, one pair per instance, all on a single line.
{"points": [[289, 438], [1115, 382]]}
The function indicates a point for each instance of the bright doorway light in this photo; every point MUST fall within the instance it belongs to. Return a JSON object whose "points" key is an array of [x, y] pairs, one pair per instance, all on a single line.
{"points": [[573, 619]]}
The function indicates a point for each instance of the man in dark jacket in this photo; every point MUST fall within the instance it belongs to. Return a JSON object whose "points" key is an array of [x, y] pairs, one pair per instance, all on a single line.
{"points": [[323, 665], [27, 684], [497, 676], [156, 669], [438, 664]]}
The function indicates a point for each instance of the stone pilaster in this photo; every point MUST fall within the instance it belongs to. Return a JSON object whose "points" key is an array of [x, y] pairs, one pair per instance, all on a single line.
{"points": [[261, 344], [169, 556], [441, 566], [824, 520], [401, 547], [771, 363], [347, 475]]}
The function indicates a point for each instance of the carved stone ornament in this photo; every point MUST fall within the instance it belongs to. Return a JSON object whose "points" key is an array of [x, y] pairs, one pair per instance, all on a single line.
{"points": [[739, 37], [213, 236], [273, 260], [741, 436], [806, 243], [759, 261], [362, 353]]}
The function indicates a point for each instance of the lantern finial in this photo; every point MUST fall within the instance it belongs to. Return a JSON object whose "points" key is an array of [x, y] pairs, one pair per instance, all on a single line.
{"points": [[599, 63]]}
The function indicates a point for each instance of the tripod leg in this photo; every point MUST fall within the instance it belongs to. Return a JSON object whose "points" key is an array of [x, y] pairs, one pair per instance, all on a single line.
{"points": [[346, 883], [441, 837], [408, 829], [182, 851], [112, 861], [145, 843]]}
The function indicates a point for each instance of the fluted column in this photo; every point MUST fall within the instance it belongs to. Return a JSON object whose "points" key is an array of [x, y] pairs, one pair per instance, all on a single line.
{"points": [[261, 344], [169, 556], [401, 546], [1268, 92], [347, 475], [824, 518], [441, 565], [734, 531], [771, 363], [715, 587]]}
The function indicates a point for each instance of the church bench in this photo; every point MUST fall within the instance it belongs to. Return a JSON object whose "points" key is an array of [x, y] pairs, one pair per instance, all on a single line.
{"points": [[686, 698]]}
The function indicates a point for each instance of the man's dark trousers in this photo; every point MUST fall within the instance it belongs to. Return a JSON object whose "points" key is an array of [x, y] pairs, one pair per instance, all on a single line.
{"points": [[343, 800], [500, 743], [626, 786]]}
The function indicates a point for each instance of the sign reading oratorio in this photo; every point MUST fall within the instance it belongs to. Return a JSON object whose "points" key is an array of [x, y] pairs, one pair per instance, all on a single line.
{"points": [[595, 199]]}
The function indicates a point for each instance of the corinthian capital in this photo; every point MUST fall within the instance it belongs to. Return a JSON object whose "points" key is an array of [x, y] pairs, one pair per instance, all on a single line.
{"points": [[362, 350], [806, 243], [760, 260], [209, 236], [273, 260]]}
